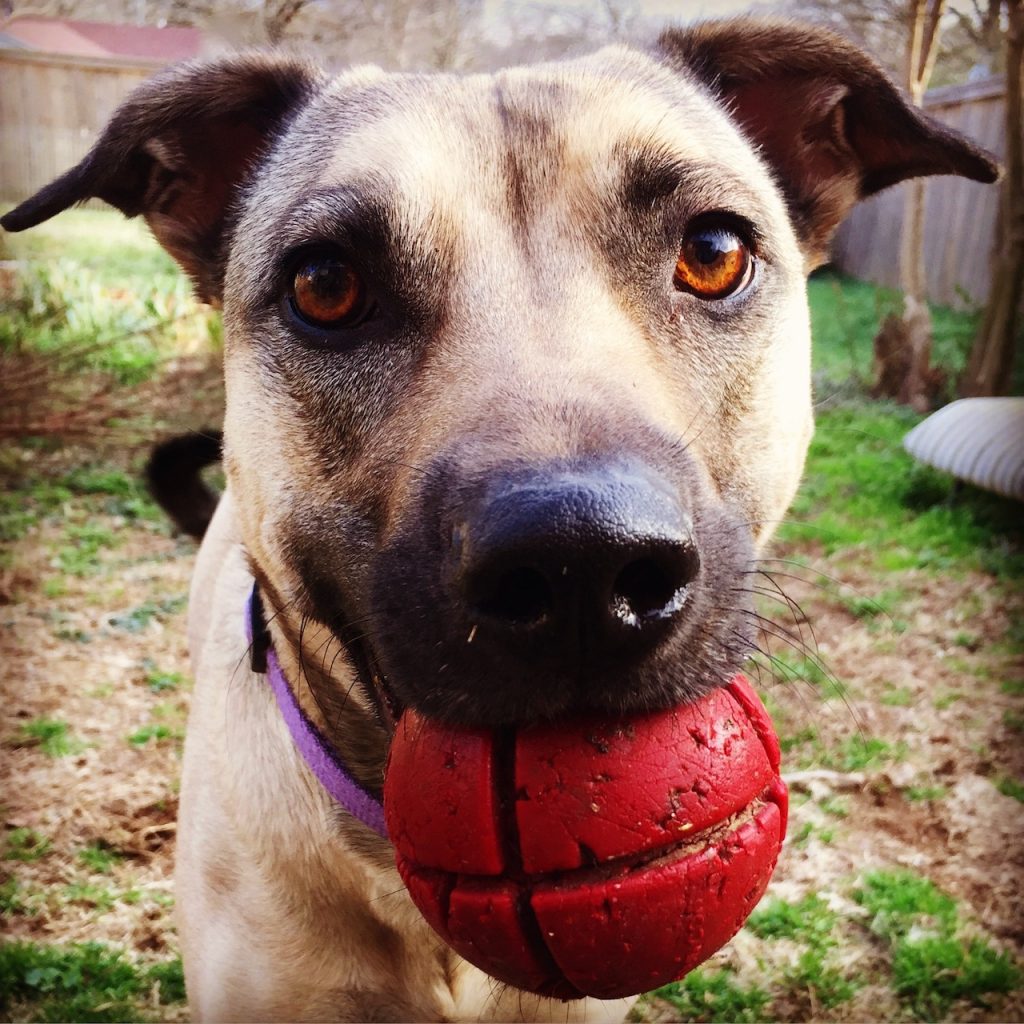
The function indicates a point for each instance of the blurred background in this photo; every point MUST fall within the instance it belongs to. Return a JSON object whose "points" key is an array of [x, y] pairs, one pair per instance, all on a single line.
{"points": [[891, 631], [467, 35]]}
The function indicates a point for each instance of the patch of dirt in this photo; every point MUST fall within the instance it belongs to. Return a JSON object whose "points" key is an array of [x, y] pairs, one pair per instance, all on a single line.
{"points": [[97, 652], [84, 659]]}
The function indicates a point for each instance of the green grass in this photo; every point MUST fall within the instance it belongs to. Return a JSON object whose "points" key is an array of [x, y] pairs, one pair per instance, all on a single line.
{"points": [[1011, 787], [82, 556], [139, 618], [26, 844], [897, 696], [808, 831], [159, 681], [51, 735], [813, 926], [118, 251], [77, 636], [93, 489], [156, 731], [933, 972], [925, 794], [805, 749], [99, 858], [100, 285], [933, 965], [11, 901], [21, 507], [858, 753], [84, 982], [795, 740], [101, 898], [91, 895], [846, 315], [120, 494], [835, 806], [791, 666], [969, 641], [862, 491], [168, 725], [885, 604], [1014, 721], [713, 996]]}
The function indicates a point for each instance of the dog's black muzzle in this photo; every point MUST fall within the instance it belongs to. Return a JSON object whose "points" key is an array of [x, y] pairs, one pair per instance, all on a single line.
{"points": [[532, 591]]}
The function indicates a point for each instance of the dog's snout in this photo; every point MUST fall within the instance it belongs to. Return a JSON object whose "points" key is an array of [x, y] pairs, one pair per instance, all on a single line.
{"points": [[579, 563]]}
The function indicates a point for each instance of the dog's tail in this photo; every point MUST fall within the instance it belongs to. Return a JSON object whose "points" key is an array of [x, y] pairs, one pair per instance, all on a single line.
{"points": [[173, 475]]}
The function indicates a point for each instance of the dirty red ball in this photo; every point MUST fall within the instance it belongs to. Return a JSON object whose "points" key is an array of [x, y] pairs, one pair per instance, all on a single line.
{"points": [[596, 856]]}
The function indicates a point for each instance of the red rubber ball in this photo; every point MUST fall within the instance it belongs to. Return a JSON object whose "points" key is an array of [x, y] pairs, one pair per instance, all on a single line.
{"points": [[596, 856]]}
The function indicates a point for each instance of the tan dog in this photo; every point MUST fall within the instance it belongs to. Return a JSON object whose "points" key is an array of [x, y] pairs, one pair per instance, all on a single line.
{"points": [[517, 382]]}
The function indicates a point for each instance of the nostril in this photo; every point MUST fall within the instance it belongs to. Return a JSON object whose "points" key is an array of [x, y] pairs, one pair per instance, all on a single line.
{"points": [[648, 588], [641, 589], [522, 596]]}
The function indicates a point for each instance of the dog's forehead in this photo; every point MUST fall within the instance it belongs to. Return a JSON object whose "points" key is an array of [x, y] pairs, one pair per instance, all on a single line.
{"points": [[445, 140]]}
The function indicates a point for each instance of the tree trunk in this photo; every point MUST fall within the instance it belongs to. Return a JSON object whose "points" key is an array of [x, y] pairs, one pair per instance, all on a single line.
{"points": [[917, 318], [989, 369], [903, 345]]}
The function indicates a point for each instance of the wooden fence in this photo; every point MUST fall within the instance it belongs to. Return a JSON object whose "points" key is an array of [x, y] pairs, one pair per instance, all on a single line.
{"points": [[52, 108], [960, 215]]}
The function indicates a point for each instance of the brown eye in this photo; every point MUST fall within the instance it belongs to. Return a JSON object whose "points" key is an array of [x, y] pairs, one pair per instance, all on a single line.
{"points": [[713, 262], [327, 292]]}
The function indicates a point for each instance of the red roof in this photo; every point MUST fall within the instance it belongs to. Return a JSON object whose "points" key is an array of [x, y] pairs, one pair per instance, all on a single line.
{"points": [[97, 39]]}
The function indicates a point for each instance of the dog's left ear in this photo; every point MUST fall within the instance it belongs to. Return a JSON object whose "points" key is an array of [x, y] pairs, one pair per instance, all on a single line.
{"points": [[179, 150], [826, 117]]}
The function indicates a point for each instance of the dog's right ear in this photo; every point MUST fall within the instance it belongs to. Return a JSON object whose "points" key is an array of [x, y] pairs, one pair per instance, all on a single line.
{"points": [[178, 150], [823, 115]]}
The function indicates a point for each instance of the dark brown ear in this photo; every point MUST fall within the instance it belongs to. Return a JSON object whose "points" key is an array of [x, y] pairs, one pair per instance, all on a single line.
{"points": [[826, 117], [178, 150]]}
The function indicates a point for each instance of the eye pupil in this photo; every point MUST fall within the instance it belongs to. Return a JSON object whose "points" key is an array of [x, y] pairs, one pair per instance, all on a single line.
{"points": [[327, 279], [326, 291], [708, 248]]}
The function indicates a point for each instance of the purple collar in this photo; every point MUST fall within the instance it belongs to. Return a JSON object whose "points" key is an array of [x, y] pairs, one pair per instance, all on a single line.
{"points": [[321, 758]]}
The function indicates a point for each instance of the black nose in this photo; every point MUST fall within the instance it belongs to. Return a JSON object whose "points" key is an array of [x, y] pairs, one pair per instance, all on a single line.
{"points": [[577, 563]]}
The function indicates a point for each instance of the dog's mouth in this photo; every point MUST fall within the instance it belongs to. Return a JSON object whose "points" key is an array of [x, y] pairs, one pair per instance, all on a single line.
{"points": [[363, 656], [385, 695], [326, 606]]}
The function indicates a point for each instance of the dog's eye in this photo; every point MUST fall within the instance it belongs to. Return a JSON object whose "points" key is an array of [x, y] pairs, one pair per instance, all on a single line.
{"points": [[713, 262], [327, 292]]}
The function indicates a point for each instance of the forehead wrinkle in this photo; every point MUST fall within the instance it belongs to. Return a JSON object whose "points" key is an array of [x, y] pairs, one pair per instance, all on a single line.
{"points": [[711, 185], [601, 116], [328, 212]]}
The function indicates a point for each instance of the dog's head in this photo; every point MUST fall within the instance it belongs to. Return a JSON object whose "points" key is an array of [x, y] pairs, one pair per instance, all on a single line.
{"points": [[518, 364]]}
